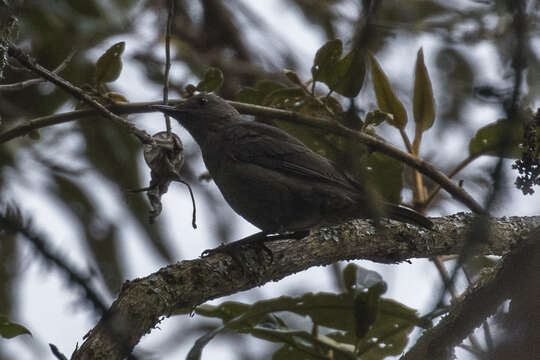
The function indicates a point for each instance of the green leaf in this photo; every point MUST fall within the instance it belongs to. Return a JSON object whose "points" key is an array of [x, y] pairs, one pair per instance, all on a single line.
{"points": [[292, 76], [386, 98], [367, 287], [213, 79], [492, 138], [256, 94], [326, 59], [325, 309], [237, 316], [285, 98], [388, 321], [10, 329], [265, 87], [350, 73], [324, 143], [423, 101], [109, 65], [249, 95], [358, 278], [288, 352]]}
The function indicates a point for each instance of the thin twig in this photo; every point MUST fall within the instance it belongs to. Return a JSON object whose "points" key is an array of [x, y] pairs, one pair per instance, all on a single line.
{"points": [[453, 173], [444, 276], [170, 15], [472, 350], [194, 214], [78, 93], [406, 140], [26, 83], [488, 337], [419, 191], [317, 100]]}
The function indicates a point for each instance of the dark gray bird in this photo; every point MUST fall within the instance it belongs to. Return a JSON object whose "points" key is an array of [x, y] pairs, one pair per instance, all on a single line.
{"points": [[269, 177]]}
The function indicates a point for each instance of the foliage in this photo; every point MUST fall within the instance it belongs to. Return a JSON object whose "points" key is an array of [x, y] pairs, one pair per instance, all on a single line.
{"points": [[355, 324], [214, 42], [9, 329], [109, 65]]}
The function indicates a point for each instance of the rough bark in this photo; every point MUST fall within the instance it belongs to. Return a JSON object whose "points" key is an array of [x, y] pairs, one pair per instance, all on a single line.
{"points": [[143, 302]]}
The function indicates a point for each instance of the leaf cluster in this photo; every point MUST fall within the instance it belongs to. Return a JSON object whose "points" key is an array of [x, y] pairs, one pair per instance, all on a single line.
{"points": [[358, 323]]}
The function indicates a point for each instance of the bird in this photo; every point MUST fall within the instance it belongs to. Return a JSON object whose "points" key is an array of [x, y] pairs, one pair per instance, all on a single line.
{"points": [[271, 178]]}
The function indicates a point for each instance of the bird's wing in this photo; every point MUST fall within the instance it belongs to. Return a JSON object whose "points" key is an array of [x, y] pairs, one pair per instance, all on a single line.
{"points": [[273, 148]]}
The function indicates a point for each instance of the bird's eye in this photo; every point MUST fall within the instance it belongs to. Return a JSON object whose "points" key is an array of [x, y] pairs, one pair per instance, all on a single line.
{"points": [[203, 101]]}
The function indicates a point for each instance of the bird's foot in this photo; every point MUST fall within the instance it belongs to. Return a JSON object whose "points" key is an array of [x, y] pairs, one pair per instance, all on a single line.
{"points": [[236, 250], [255, 242]]}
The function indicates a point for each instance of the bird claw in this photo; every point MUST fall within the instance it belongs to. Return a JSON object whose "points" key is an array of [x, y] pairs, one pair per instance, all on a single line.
{"points": [[256, 242], [236, 250]]}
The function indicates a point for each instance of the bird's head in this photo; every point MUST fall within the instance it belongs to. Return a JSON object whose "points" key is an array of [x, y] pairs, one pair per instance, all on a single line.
{"points": [[201, 114]]}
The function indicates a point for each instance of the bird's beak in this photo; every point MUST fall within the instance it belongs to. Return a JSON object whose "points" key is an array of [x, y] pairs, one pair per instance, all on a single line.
{"points": [[166, 109]]}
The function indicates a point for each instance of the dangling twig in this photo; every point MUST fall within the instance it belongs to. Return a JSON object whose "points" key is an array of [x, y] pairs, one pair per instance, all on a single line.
{"points": [[168, 62]]}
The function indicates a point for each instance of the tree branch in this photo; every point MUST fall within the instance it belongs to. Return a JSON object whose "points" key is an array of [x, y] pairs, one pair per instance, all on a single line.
{"points": [[511, 277], [26, 83], [249, 109], [457, 169], [49, 120], [39, 70], [179, 287]]}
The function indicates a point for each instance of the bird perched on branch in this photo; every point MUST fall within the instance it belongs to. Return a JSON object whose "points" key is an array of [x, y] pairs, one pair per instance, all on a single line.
{"points": [[271, 178]]}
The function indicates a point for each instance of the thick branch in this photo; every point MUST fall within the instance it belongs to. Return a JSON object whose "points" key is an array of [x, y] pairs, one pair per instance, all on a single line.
{"points": [[312, 121], [516, 275], [144, 301]]}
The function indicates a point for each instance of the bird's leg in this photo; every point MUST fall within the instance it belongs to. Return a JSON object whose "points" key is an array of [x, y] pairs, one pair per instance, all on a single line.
{"points": [[255, 242]]}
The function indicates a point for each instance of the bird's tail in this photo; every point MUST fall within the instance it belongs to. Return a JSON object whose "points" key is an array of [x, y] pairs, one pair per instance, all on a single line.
{"points": [[403, 214]]}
